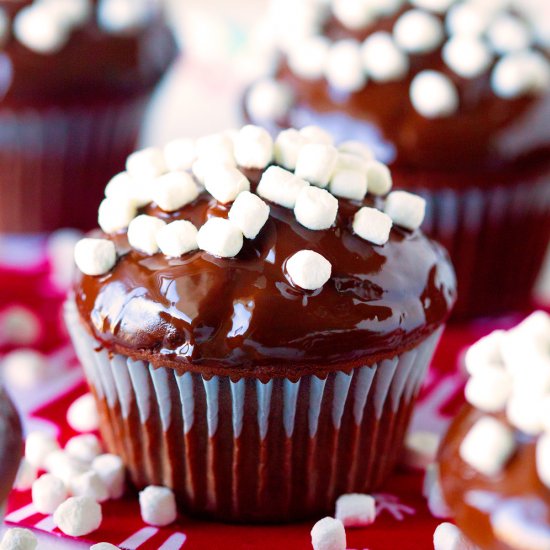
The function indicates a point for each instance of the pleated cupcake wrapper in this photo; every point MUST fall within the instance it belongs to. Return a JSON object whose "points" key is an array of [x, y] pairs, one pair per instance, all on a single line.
{"points": [[55, 162], [243, 450]]}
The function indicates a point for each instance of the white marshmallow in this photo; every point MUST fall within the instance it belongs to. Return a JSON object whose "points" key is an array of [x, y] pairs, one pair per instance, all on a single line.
{"points": [[382, 59], [356, 148], [449, 537], [82, 415], [344, 66], [73, 12], [26, 475], [433, 94], [146, 164], [225, 183], [174, 190], [507, 33], [18, 539], [38, 446], [48, 492], [420, 449], [180, 154], [431, 489], [316, 134], [78, 516], [104, 546], [308, 58], [253, 147], [485, 352], [177, 238], [40, 31], [438, 6], [308, 269], [19, 325], [372, 225], [25, 368], [216, 149], [523, 412], [95, 256], [65, 467], [268, 100], [316, 163], [355, 510], [110, 469], [543, 459], [142, 233], [83, 447], [158, 506], [328, 534], [405, 209], [280, 186], [249, 213], [417, 31], [315, 208], [89, 484], [121, 16], [544, 413], [379, 180], [487, 446], [467, 56], [353, 14], [288, 145], [466, 18], [349, 184], [116, 213], [489, 388], [220, 237], [123, 187]]}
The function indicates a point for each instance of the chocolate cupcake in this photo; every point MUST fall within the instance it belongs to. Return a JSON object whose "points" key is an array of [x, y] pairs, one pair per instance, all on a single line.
{"points": [[254, 341], [75, 77], [494, 462], [455, 97]]}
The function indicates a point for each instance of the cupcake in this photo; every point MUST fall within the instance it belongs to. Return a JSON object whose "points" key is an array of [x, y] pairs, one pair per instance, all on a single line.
{"points": [[455, 97], [254, 338], [494, 462], [75, 77]]}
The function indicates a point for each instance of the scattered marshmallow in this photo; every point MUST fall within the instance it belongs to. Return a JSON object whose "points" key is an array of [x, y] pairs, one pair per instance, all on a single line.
{"points": [[65, 467], [268, 100], [18, 539], [315, 208], [316, 163], [280, 186], [466, 19], [40, 31], [344, 66], [288, 145], [158, 506], [25, 368], [356, 148], [433, 94], [177, 238], [216, 149], [328, 534], [379, 180], [308, 269], [485, 352], [110, 469], [89, 484], [405, 209], [180, 154], [84, 447], [508, 33], [348, 184], [420, 449], [352, 14], [38, 446], [78, 516], [116, 213], [487, 446], [82, 415], [355, 510], [467, 56], [26, 475], [95, 256], [449, 537], [220, 237], [146, 164], [417, 31], [523, 412], [142, 233], [121, 16], [48, 492], [489, 388], [104, 546], [174, 190], [543, 459], [382, 59], [316, 134], [253, 147], [309, 58], [372, 225], [249, 213], [225, 183]]}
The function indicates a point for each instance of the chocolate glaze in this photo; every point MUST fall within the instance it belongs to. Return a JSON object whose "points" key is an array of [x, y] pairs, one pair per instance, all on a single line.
{"points": [[208, 314], [475, 499], [11, 445]]}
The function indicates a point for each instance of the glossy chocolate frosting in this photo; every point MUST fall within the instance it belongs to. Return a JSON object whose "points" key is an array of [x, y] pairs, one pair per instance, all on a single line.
{"points": [[207, 314], [11, 445], [93, 64], [516, 496]]}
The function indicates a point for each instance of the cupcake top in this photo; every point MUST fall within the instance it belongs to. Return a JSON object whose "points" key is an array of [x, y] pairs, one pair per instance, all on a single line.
{"points": [[436, 84], [495, 459], [11, 445], [61, 50], [283, 258]]}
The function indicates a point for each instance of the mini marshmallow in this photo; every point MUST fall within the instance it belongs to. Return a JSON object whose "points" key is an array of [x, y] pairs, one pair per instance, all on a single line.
{"points": [[180, 154], [89, 484], [48, 492], [38, 446], [177, 238], [308, 269], [225, 183], [78, 516], [288, 145], [328, 534], [280, 186], [417, 31], [356, 148], [104, 546], [438, 6], [249, 213], [110, 469], [382, 59], [95, 256], [355, 510], [83, 447], [253, 147], [344, 66], [315, 208], [487, 446], [543, 459], [466, 18], [82, 415], [508, 33], [353, 14], [308, 58], [220, 237], [158, 506], [18, 539], [26, 475], [73, 12], [467, 56], [174, 190], [123, 187], [316, 163], [433, 94], [316, 134], [25, 368], [405, 209], [142, 233], [216, 149], [379, 180], [484, 352], [120, 16], [40, 31], [449, 537], [146, 164], [523, 412], [268, 100], [420, 449], [431, 489], [372, 225], [65, 467], [116, 213], [489, 388], [349, 184]]}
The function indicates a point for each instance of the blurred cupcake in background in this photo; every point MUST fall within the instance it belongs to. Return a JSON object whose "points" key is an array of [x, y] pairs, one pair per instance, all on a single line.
{"points": [[75, 77], [454, 96]]}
